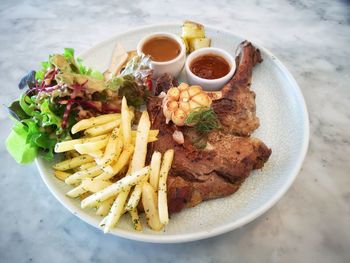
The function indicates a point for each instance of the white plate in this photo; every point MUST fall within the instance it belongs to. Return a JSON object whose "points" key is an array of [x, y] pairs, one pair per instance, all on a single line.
{"points": [[284, 127]]}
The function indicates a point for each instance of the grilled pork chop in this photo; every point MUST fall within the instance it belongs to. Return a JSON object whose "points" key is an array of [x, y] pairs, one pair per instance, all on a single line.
{"points": [[197, 175], [236, 109]]}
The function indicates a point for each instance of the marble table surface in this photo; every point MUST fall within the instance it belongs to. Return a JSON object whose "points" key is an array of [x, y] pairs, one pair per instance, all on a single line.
{"points": [[311, 223]]}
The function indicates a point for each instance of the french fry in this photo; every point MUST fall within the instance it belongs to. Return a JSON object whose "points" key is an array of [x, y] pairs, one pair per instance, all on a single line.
{"points": [[123, 184], [69, 145], [142, 133], [152, 139], [102, 129], [126, 123], [71, 154], [134, 197], [84, 195], [115, 213], [76, 191], [122, 199], [152, 136], [107, 169], [162, 186], [86, 148], [155, 167], [105, 206], [113, 149], [93, 185], [72, 163], [87, 185], [61, 175], [88, 173], [139, 157], [94, 121], [120, 164], [86, 166], [135, 220], [97, 154], [149, 202], [103, 222]]}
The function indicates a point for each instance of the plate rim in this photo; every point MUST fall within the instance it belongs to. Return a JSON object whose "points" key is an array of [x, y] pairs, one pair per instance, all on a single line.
{"points": [[181, 238]]}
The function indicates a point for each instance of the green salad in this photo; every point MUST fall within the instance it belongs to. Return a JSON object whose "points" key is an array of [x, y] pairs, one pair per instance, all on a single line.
{"points": [[63, 92]]}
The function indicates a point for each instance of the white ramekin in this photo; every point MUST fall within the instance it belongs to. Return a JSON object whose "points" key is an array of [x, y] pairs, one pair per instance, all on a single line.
{"points": [[172, 67], [210, 84]]}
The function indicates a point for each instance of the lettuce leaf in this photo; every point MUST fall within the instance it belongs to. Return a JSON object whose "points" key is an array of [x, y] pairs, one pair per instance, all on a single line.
{"points": [[84, 70], [47, 116], [134, 91], [17, 145], [34, 134], [28, 80], [27, 104], [16, 111], [115, 83], [97, 75], [68, 53]]}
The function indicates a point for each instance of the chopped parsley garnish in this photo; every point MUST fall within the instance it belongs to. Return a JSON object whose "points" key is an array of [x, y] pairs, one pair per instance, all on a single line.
{"points": [[203, 119]]}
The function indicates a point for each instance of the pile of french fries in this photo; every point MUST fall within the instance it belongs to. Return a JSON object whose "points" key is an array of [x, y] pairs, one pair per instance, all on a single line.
{"points": [[107, 170]]}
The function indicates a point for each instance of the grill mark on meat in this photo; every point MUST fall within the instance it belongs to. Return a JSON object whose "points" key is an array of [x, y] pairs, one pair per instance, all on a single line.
{"points": [[199, 175]]}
